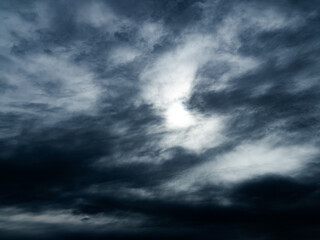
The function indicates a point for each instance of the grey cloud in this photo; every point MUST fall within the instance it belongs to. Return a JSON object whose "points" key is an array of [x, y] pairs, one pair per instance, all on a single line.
{"points": [[86, 91]]}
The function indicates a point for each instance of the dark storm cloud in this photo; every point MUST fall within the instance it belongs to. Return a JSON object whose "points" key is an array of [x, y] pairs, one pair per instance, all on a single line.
{"points": [[270, 94], [258, 114], [86, 149]]}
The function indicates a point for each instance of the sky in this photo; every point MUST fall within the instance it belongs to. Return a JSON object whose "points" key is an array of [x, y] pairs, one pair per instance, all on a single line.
{"points": [[160, 119]]}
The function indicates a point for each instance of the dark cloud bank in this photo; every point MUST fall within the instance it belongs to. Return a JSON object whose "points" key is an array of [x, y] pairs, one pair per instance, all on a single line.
{"points": [[160, 119]]}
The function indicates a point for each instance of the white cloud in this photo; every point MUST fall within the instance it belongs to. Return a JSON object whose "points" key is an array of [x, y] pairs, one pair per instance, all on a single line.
{"points": [[123, 55], [247, 161], [205, 133], [169, 78], [98, 15], [168, 81], [151, 32], [52, 80]]}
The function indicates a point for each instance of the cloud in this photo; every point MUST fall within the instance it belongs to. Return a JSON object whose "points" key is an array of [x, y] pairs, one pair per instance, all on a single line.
{"points": [[123, 55], [248, 161], [159, 119]]}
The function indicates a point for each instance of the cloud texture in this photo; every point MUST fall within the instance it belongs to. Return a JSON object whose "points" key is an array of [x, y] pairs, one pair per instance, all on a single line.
{"points": [[180, 119]]}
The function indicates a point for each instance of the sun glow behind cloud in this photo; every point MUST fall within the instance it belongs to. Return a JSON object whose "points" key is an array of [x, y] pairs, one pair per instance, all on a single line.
{"points": [[156, 113], [178, 117]]}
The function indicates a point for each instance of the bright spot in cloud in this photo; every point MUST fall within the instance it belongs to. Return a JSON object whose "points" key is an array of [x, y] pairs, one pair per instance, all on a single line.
{"points": [[178, 117]]}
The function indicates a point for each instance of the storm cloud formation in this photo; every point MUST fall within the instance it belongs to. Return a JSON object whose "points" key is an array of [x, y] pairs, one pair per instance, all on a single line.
{"points": [[179, 119]]}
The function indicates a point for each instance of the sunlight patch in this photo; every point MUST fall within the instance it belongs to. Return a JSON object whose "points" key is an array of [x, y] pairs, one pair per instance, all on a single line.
{"points": [[178, 117]]}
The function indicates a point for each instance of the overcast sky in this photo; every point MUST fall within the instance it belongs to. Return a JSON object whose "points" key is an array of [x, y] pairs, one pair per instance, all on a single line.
{"points": [[160, 119]]}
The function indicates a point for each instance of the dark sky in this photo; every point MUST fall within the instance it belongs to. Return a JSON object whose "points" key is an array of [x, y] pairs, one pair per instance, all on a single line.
{"points": [[156, 119]]}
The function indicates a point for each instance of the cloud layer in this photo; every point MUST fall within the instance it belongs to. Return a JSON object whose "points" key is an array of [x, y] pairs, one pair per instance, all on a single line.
{"points": [[186, 119]]}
